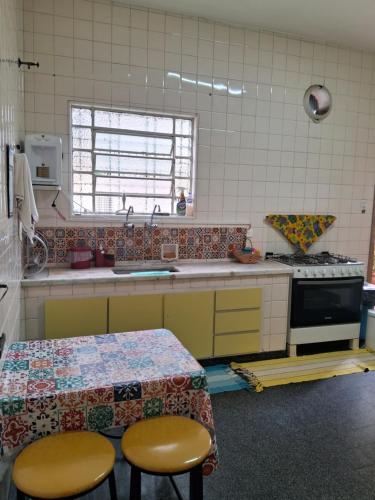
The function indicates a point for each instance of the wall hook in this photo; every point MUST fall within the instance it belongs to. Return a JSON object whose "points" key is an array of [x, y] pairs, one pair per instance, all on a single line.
{"points": [[27, 63]]}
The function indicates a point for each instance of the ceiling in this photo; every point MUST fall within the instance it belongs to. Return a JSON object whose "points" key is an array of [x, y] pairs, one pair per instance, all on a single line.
{"points": [[348, 23]]}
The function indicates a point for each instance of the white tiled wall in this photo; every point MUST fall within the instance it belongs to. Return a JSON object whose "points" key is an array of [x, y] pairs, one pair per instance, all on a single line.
{"points": [[258, 152], [11, 131]]}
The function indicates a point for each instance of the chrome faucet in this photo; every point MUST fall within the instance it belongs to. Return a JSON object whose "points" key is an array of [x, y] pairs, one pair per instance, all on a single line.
{"points": [[127, 224], [151, 224]]}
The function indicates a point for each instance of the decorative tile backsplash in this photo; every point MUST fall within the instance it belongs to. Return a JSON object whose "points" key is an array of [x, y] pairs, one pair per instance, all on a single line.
{"points": [[143, 243]]}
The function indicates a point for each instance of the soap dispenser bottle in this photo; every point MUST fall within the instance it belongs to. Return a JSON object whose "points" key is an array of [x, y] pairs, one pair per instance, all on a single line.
{"points": [[181, 204], [189, 205], [249, 244]]}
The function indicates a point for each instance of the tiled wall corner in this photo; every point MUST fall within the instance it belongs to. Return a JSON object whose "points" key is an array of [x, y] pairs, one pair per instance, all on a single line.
{"points": [[11, 132]]}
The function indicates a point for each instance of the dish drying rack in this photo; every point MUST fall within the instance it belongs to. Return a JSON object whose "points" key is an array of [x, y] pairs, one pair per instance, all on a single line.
{"points": [[36, 255]]}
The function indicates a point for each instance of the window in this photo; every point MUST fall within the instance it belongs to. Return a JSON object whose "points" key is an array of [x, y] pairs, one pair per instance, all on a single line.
{"points": [[148, 157]]}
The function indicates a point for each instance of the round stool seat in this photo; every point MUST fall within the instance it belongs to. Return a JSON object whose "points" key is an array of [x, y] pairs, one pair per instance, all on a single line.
{"points": [[166, 445], [63, 465]]}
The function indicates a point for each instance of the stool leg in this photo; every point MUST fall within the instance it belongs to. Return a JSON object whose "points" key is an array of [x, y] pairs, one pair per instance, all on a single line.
{"points": [[135, 483], [196, 483], [112, 485], [20, 495]]}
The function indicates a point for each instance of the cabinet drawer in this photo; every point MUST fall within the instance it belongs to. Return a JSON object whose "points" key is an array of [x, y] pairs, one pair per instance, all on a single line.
{"points": [[237, 321], [238, 343], [245, 298]]}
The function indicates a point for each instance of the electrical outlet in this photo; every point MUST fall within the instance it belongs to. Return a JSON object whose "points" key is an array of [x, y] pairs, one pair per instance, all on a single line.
{"points": [[363, 207]]}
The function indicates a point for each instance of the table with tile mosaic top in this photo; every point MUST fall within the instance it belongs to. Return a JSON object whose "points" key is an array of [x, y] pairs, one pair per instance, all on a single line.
{"points": [[99, 382]]}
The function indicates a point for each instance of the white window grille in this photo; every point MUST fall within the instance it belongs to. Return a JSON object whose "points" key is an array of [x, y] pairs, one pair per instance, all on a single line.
{"points": [[149, 157]]}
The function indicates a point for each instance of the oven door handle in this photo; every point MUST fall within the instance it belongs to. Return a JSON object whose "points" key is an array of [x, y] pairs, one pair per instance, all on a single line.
{"points": [[329, 282]]}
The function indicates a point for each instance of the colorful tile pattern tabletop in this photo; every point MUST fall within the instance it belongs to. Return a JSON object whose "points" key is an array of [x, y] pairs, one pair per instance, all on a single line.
{"points": [[99, 382]]}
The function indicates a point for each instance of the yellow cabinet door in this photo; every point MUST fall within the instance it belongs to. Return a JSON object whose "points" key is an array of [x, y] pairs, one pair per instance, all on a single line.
{"points": [[190, 317], [75, 317], [135, 312]]}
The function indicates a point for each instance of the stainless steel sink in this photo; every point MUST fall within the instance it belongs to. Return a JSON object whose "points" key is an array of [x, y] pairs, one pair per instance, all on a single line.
{"points": [[145, 270]]}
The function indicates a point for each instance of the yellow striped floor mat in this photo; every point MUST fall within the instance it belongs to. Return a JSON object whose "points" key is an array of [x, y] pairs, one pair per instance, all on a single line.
{"points": [[261, 374]]}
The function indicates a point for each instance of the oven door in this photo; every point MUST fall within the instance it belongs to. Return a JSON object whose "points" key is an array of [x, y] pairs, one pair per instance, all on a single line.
{"points": [[328, 301]]}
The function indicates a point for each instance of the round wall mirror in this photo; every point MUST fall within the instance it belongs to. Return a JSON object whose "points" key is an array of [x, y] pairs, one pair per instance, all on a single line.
{"points": [[317, 102]]}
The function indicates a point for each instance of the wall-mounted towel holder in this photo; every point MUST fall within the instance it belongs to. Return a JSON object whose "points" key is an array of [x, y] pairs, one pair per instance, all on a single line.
{"points": [[2, 343], [4, 289], [27, 63], [20, 63], [4, 147]]}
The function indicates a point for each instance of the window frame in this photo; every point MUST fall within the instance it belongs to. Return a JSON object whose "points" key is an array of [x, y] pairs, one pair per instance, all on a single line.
{"points": [[140, 217]]}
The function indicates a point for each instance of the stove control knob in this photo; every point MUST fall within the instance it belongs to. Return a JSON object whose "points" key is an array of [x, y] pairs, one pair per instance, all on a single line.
{"points": [[333, 272], [314, 273], [323, 272], [306, 272], [342, 272]]}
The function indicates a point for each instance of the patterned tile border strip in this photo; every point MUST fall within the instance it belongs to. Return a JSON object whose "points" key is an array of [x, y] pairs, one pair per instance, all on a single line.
{"points": [[143, 244]]}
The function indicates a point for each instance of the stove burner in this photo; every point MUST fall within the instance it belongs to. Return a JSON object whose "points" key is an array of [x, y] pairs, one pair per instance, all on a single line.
{"points": [[317, 259]]}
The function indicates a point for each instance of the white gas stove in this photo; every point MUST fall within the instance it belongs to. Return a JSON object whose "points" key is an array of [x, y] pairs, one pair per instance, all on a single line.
{"points": [[326, 295], [319, 265]]}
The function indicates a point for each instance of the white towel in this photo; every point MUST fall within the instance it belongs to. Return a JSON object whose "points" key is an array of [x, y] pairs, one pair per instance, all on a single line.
{"points": [[24, 194]]}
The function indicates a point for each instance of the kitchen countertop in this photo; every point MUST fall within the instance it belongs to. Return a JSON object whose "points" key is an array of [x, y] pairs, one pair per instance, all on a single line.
{"points": [[189, 270]]}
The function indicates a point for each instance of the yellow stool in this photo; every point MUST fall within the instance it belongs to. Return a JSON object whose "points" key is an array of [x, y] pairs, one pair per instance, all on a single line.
{"points": [[166, 446], [65, 465]]}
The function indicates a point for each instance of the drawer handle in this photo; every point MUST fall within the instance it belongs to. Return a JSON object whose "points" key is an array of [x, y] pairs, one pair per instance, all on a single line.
{"points": [[239, 332], [239, 309]]}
